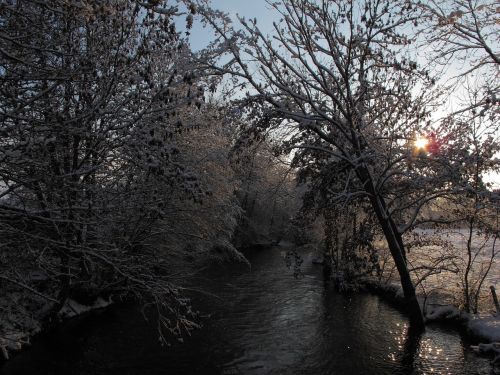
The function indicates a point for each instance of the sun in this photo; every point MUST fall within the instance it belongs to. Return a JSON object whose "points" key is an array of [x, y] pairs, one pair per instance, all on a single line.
{"points": [[421, 143]]}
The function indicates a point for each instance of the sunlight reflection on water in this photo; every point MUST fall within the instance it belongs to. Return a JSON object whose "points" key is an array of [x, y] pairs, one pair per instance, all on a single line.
{"points": [[265, 322]]}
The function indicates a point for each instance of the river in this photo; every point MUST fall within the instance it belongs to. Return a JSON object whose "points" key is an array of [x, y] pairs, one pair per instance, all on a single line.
{"points": [[264, 321]]}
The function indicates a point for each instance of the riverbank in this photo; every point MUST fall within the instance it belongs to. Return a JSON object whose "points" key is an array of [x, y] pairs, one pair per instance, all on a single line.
{"points": [[25, 315], [483, 329], [18, 334]]}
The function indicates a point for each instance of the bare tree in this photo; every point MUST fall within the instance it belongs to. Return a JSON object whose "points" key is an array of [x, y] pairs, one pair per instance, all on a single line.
{"points": [[475, 210], [334, 75], [462, 36]]}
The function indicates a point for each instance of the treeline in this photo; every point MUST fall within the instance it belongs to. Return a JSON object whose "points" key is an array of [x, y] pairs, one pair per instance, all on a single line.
{"points": [[117, 166], [120, 163]]}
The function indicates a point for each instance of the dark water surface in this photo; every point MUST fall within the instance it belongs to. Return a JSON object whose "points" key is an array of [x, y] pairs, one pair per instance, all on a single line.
{"points": [[264, 322]]}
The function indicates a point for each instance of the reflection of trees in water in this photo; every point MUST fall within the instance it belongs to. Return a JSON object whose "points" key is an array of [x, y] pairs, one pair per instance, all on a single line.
{"points": [[411, 347]]}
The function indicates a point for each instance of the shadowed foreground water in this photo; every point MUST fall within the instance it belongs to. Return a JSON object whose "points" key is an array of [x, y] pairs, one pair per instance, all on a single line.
{"points": [[264, 322]]}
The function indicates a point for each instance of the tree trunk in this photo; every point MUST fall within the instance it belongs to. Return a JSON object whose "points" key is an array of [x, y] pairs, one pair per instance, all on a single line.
{"points": [[467, 297], [395, 243], [416, 317]]}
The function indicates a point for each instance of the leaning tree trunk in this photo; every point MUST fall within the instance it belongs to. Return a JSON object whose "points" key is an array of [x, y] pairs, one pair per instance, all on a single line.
{"points": [[396, 248]]}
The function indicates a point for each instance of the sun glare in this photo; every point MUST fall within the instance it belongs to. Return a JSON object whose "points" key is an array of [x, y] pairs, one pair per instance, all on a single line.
{"points": [[421, 143]]}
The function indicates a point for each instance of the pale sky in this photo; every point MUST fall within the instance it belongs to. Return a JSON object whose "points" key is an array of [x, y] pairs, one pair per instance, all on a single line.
{"points": [[265, 15], [245, 8]]}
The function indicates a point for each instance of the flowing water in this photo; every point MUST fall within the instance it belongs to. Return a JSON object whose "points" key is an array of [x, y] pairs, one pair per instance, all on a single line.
{"points": [[264, 321]]}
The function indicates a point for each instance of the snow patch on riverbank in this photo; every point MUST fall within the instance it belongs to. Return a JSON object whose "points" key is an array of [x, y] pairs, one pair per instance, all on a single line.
{"points": [[485, 327], [439, 313], [14, 339], [19, 321], [19, 325], [72, 308]]}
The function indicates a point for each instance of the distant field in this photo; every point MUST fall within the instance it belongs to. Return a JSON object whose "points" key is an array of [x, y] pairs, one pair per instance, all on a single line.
{"points": [[441, 257]]}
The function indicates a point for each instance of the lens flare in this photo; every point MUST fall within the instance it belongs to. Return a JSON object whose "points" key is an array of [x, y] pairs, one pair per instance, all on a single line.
{"points": [[421, 143]]}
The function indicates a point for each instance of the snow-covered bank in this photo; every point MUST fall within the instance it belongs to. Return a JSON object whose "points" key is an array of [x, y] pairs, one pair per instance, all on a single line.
{"points": [[483, 328], [17, 330]]}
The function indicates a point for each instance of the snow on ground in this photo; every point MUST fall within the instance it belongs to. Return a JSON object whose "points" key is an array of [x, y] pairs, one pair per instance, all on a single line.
{"points": [[72, 308], [440, 258], [439, 313], [486, 328], [18, 324], [457, 237]]}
